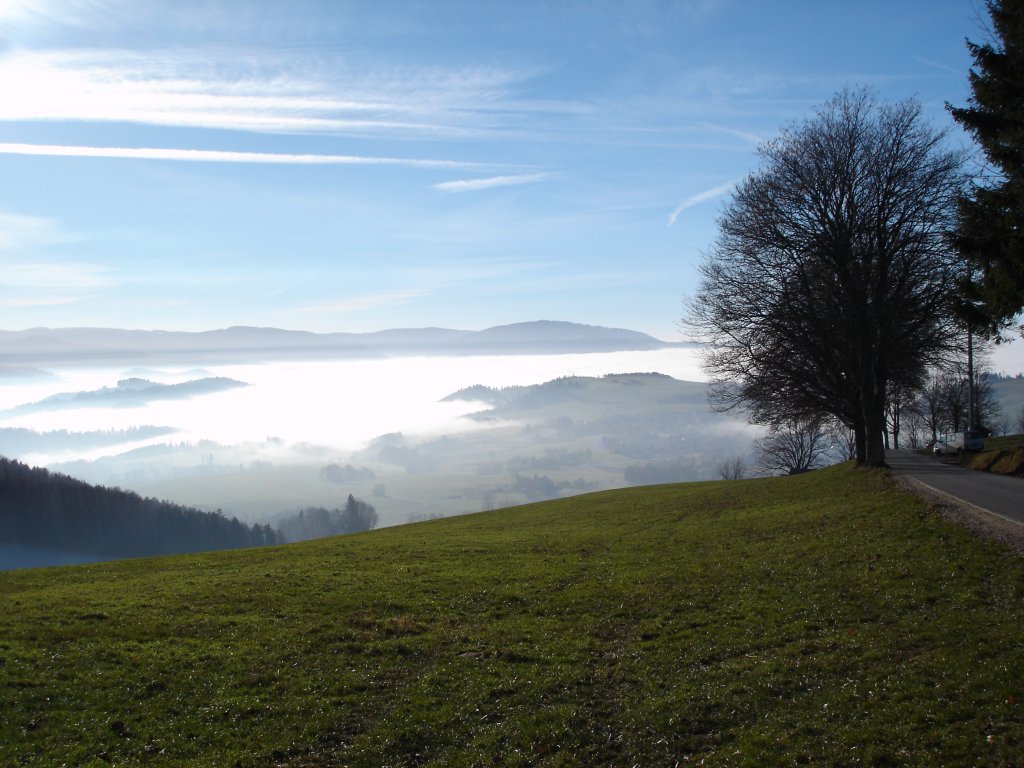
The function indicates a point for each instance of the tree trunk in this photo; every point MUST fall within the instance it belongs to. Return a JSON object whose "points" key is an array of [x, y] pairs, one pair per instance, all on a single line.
{"points": [[896, 415], [873, 413], [874, 446], [872, 406], [860, 449]]}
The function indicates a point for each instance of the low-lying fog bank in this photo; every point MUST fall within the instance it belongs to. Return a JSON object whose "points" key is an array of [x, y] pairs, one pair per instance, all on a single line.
{"points": [[309, 433]]}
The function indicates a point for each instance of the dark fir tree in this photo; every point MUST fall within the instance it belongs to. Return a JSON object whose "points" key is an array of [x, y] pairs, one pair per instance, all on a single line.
{"points": [[988, 233], [46, 509], [831, 276]]}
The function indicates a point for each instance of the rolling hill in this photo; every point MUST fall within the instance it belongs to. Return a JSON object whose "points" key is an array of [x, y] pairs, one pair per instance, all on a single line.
{"points": [[823, 619], [48, 518], [128, 393], [76, 346]]}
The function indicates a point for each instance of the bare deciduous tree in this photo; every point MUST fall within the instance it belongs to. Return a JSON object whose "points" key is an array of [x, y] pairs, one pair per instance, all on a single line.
{"points": [[843, 440], [953, 403], [898, 403], [794, 447], [831, 277], [915, 428], [954, 400], [734, 468], [929, 405]]}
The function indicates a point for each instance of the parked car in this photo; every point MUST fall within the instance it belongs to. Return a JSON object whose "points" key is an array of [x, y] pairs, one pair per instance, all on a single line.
{"points": [[957, 442]]}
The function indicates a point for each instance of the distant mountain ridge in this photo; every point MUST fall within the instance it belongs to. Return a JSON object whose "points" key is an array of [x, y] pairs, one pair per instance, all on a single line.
{"points": [[50, 346]]}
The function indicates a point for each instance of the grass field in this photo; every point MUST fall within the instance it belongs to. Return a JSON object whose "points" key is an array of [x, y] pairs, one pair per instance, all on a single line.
{"points": [[826, 619]]}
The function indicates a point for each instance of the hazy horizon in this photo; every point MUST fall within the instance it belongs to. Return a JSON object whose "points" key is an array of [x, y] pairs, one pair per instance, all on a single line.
{"points": [[368, 397], [295, 417]]}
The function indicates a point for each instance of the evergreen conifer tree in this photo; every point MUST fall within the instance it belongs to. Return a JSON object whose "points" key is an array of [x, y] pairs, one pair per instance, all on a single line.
{"points": [[989, 225]]}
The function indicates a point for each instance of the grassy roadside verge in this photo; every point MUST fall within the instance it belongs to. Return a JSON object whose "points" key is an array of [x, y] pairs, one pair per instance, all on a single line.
{"points": [[1001, 455], [823, 619]]}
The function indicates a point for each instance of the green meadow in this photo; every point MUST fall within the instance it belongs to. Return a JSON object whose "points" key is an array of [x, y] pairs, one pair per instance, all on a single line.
{"points": [[827, 619]]}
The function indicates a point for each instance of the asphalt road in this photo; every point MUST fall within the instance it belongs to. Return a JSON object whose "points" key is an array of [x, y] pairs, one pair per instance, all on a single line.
{"points": [[998, 494]]}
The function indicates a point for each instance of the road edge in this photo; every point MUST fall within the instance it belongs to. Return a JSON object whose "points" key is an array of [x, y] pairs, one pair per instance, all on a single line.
{"points": [[979, 520]]}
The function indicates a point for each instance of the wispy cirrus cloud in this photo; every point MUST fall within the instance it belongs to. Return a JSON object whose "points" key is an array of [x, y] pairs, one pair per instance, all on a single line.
{"points": [[224, 156], [19, 231], [259, 91], [28, 280], [68, 13], [436, 278], [56, 276], [362, 303], [23, 301], [491, 182], [700, 197], [939, 66], [51, 283]]}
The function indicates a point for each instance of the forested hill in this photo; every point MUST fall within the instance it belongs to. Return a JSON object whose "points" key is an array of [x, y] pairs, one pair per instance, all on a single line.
{"points": [[42, 509]]}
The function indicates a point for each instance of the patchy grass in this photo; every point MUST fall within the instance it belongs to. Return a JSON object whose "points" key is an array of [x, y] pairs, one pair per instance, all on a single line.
{"points": [[824, 619], [1002, 455], [1006, 442]]}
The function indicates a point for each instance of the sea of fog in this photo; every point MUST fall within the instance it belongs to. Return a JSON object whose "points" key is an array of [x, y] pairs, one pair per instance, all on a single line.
{"points": [[338, 404]]}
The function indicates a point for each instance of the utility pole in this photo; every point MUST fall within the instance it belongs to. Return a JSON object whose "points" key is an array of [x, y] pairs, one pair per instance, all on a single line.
{"points": [[972, 400]]}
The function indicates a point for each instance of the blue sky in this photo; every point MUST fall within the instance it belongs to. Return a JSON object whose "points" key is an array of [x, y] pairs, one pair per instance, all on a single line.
{"points": [[355, 166]]}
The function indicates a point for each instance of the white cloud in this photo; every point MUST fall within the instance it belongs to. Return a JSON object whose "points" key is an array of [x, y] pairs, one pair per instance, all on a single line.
{"points": [[49, 283], [939, 66], [473, 185], [362, 303], [20, 302], [33, 282], [223, 156], [747, 136], [19, 232], [700, 197], [56, 277], [257, 91], [63, 12], [12, 9]]}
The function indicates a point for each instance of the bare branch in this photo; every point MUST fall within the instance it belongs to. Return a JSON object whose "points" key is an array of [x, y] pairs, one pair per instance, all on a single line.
{"points": [[831, 280]]}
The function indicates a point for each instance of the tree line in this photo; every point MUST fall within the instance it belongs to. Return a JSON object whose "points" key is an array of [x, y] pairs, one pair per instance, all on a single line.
{"points": [[319, 522], [914, 419], [335, 473], [942, 405], [40, 508], [53, 511]]}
